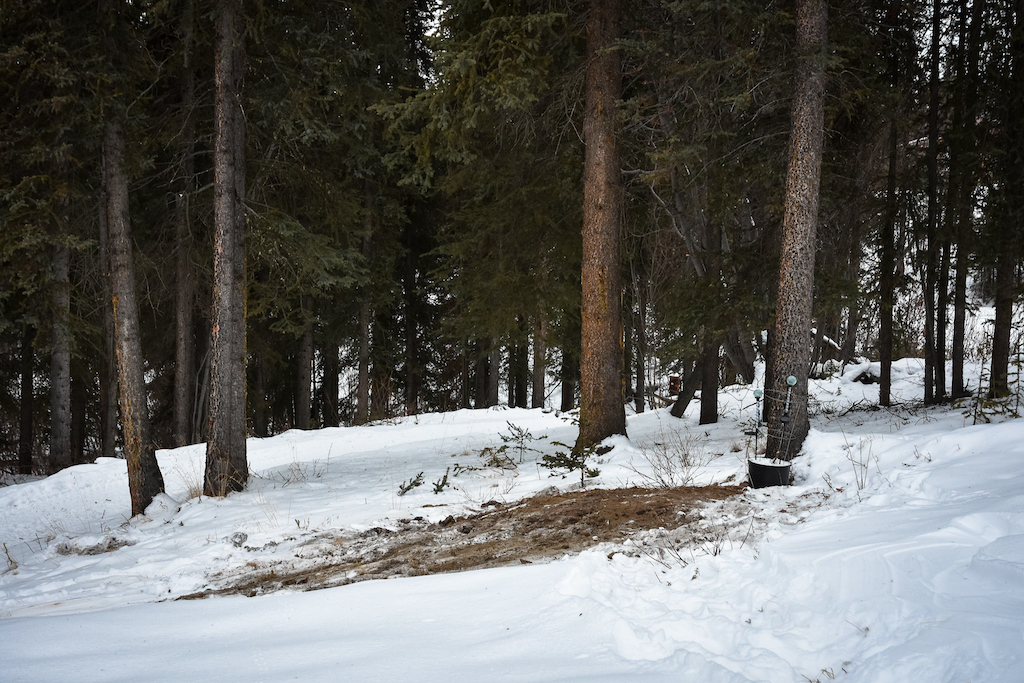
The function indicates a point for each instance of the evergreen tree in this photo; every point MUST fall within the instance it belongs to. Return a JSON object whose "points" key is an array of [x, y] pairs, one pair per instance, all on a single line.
{"points": [[786, 402]]}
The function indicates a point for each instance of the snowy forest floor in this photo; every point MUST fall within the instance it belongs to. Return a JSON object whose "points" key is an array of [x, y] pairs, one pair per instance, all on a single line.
{"points": [[897, 553]]}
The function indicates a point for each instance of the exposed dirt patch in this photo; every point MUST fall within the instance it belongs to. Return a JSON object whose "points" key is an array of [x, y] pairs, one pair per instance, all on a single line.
{"points": [[532, 530]]}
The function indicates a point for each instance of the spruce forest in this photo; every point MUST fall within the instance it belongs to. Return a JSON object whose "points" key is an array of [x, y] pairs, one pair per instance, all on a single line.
{"points": [[222, 218]]}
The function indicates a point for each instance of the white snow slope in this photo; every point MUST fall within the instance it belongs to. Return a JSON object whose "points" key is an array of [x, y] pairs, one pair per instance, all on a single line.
{"points": [[898, 555]]}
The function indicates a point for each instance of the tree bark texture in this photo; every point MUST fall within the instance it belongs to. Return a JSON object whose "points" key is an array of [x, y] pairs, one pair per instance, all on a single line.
{"points": [[602, 413], [184, 273], [709, 383], [226, 462], [60, 363], [144, 479], [791, 328]]}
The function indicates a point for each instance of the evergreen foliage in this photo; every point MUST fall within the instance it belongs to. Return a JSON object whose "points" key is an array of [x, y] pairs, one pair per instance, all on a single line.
{"points": [[414, 203]]}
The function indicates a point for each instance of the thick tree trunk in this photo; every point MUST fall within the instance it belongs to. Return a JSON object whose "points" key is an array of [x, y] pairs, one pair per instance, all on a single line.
{"points": [[602, 413], [790, 329], [26, 436], [60, 363], [144, 479], [226, 462]]}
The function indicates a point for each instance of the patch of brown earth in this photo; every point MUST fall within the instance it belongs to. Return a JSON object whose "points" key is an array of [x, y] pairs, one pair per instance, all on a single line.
{"points": [[532, 530]]}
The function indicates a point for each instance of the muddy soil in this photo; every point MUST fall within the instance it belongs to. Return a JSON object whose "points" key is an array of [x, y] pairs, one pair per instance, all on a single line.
{"points": [[536, 529]]}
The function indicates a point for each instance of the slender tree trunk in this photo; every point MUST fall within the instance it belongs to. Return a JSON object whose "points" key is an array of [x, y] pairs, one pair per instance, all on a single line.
{"points": [[226, 462], [602, 413], [26, 437], [60, 363], [144, 479], [412, 369], [965, 129], [185, 278], [540, 349], [796, 267], [304, 378], [363, 378], [640, 397], [108, 368], [941, 321], [363, 381], [931, 222], [480, 375], [887, 277], [493, 372]]}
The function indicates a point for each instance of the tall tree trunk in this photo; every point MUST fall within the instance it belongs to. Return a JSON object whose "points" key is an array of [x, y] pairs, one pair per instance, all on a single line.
{"points": [[964, 129], [362, 415], [887, 276], [185, 278], [144, 479], [1010, 211], [108, 368], [796, 267], [540, 350], [60, 363], [931, 356], [26, 437], [226, 462], [602, 413]]}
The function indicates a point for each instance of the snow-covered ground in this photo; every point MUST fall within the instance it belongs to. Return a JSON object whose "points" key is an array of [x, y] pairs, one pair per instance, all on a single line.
{"points": [[898, 555]]}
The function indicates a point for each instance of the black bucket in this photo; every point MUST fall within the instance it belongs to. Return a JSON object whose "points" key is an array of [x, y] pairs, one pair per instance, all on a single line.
{"points": [[765, 472]]}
